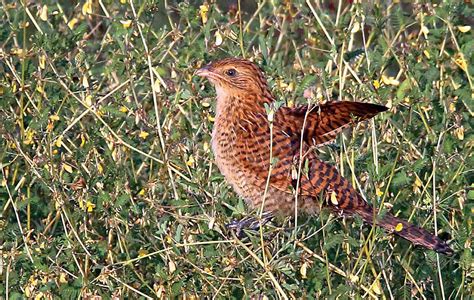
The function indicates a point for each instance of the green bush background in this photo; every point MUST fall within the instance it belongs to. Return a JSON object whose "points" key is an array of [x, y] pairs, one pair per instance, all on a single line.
{"points": [[108, 183]]}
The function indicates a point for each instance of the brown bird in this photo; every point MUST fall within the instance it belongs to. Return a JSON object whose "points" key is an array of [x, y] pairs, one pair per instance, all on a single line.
{"points": [[264, 150]]}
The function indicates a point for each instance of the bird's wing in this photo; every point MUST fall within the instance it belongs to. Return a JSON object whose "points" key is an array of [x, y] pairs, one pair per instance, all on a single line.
{"points": [[293, 164], [292, 160], [324, 122]]}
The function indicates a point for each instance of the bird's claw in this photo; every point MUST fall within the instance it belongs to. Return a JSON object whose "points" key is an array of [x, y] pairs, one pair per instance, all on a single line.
{"points": [[252, 223]]}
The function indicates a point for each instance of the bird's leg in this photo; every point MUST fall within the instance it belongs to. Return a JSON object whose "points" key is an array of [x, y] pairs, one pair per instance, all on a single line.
{"points": [[252, 223]]}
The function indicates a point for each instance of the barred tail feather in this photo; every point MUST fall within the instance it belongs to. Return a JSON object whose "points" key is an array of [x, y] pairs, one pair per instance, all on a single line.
{"points": [[402, 228]]}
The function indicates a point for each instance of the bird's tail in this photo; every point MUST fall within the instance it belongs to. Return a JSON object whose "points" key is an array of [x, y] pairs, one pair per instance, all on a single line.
{"points": [[404, 229], [347, 200]]}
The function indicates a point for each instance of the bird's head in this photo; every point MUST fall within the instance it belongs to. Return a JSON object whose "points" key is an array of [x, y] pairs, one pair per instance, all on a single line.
{"points": [[233, 76]]}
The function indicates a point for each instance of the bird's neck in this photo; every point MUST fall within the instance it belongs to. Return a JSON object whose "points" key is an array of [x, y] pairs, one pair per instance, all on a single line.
{"points": [[240, 104], [236, 112]]}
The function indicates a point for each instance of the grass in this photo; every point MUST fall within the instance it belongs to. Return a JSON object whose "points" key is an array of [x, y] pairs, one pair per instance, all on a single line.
{"points": [[108, 182]]}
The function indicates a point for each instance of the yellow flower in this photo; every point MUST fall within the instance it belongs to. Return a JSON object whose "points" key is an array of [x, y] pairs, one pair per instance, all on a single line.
{"points": [[399, 227], [417, 184], [390, 80], [62, 278], [464, 29], [376, 287], [54, 118], [72, 23], [67, 168], [29, 135], [452, 107], [88, 100], [39, 296], [376, 84], [378, 192], [356, 27], [40, 89], [460, 61], [427, 54], [42, 61], [59, 141], [90, 206], [142, 252], [459, 133], [203, 9], [50, 126], [303, 270], [87, 8], [190, 161], [143, 134], [126, 24], [44, 13], [334, 198], [100, 169]]}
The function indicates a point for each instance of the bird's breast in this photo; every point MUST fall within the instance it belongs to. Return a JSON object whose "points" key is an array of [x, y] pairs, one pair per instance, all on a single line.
{"points": [[224, 146], [233, 151]]}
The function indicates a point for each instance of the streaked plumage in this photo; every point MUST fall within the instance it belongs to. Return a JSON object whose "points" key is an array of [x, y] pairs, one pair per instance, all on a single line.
{"points": [[241, 142]]}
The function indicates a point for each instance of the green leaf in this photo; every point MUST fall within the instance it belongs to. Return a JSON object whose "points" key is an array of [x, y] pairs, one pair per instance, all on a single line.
{"points": [[400, 179]]}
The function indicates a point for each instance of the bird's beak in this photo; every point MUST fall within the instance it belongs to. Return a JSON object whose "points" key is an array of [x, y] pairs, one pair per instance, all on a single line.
{"points": [[203, 72]]}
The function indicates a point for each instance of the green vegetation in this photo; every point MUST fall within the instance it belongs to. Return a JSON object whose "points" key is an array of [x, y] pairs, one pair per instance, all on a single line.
{"points": [[108, 183]]}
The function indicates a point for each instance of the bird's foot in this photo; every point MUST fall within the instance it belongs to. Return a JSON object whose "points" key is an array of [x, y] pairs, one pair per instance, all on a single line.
{"points": [[252, 223]]}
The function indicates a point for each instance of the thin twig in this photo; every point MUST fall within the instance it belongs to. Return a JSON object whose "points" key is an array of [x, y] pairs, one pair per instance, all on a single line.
{"points": [[155, 103]]}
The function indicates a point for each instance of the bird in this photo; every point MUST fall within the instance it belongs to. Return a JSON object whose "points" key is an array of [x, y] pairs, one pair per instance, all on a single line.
{"points": [[266, 152]]}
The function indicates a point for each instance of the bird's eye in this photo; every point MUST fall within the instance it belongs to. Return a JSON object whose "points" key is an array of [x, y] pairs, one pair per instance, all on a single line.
{"points": [[231, 72]]}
